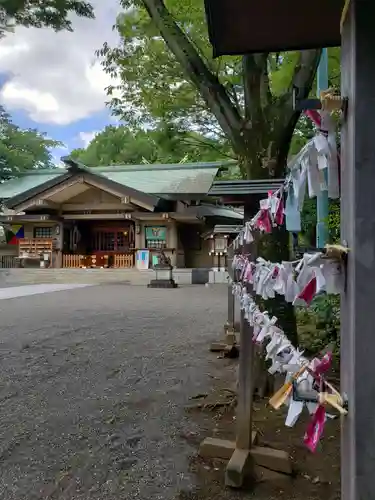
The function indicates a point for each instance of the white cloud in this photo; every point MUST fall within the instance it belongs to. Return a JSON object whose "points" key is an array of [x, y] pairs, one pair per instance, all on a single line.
{"points": [[55, 77], [87, 137]]}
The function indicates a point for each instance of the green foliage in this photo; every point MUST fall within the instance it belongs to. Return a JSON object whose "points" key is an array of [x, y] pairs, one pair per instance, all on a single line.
{"points": [[308, 221], [164, 144], [54, 14], [319, 325], [334, 221], [153, 85], [22, 150]]}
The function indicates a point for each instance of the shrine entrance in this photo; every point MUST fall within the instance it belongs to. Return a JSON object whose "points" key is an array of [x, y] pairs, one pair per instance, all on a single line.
{"points": [[100, 244]]}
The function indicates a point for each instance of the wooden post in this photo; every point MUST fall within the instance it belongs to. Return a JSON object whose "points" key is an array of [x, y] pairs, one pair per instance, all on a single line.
{"points": [[229, 344], [240, 465], [358, 232], [231, 313], [242, 455], [229, 328]]}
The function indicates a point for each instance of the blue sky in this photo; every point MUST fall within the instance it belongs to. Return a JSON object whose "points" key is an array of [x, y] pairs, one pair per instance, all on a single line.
{"points": [[53, 81]]}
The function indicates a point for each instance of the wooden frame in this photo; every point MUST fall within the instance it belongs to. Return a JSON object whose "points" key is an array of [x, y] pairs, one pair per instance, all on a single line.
{"points": [[98, 237]]}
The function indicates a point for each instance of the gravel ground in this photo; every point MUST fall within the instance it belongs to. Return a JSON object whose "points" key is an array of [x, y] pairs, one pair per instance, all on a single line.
{"points": [[94, 384]]}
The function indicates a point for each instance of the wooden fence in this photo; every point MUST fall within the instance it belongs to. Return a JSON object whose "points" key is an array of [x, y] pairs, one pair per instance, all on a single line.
{"points": [[126, 260], [118, 261], [8, 261], [72, 261]]}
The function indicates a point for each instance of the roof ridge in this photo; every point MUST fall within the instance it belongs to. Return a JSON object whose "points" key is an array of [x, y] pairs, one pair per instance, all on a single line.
{"points": [[163, 166], [39, 171]]}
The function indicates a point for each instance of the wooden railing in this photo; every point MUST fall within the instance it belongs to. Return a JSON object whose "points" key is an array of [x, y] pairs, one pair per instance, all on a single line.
{"points": [[8, 261], [72, 261], [87, 261], [124, 260]]}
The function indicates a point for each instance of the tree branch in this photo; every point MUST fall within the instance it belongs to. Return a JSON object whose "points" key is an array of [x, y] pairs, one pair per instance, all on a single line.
{"points": [[208, 85], [202, 143], [302, 80]]}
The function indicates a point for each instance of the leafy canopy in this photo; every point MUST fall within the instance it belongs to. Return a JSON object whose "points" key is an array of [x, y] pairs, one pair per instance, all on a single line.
{"points": [[164, 144], [153, 84], [54, 14], [22, 150]]}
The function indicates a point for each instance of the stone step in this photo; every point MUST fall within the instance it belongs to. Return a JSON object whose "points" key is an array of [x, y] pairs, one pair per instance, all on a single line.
{"points": [[27, 276]]}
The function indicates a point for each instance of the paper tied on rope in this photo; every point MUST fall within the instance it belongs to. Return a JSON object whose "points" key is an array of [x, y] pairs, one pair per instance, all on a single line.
{"points": [[299, 282], [304, 379], [315, 169]]}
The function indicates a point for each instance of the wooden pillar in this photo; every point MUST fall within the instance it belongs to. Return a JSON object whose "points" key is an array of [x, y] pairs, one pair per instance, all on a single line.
{"points": [[231, 309], [231, 313], [172, 241], [358, 232], [240, 464]]}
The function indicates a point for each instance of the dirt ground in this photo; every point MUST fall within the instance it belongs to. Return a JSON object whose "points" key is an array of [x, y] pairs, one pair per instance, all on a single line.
{"points": [[316, 475], [95, 385]]}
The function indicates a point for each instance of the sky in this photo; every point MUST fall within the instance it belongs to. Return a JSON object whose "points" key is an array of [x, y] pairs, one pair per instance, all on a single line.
{"points": [[54, 82]]}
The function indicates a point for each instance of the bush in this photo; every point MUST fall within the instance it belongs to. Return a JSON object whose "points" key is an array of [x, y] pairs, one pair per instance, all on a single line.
{"points": [[320, 325]]}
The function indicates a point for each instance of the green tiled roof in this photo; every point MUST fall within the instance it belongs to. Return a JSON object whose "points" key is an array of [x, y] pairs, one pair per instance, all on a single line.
{"points": [[25, 182], [187, 178]]}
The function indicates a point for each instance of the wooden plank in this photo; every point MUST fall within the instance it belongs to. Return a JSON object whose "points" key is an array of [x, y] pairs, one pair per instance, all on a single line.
{"points": [[245, 371], [358, 231], [245, 386], [220, 448], [276, 460]]}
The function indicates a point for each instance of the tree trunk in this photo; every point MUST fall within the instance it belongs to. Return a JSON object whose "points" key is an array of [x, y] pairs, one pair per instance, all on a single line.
{"points": [[261, 135]]}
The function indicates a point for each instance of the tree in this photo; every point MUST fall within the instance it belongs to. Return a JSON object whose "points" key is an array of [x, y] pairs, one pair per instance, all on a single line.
{"points": [[250, 98], [42, 13], [166, 71], [22, 150], [164, 144]]}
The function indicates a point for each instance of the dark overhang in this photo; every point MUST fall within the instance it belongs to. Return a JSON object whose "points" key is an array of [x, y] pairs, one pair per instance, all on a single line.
{"points": [[227, 229], [245, 188], [250, 26]]}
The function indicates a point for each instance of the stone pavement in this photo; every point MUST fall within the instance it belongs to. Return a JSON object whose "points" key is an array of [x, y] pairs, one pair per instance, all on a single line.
{"points": [[25, 290], [94, 381]]}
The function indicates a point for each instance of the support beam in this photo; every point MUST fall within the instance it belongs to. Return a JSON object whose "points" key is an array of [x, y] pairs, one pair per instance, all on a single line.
{"points": [[358, 231], [47, 204]]}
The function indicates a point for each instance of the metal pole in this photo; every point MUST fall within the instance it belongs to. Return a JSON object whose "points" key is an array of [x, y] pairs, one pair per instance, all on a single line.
{"points": [[322, 198]]}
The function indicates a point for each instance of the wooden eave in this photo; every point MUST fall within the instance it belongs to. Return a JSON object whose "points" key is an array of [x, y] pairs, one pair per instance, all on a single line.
{"points": [[239, 192], [238, 27], [11, 219]]}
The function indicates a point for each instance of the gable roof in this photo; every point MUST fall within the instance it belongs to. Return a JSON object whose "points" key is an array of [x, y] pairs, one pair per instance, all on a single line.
{"points": [[77, 175], [153, 179]]}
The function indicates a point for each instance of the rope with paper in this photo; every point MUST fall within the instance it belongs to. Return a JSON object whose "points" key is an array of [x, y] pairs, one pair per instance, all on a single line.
{"points": [[284, 357], [305, 171], [298, 281]]}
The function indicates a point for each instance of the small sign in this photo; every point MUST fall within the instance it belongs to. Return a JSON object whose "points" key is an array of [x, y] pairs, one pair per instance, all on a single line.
{"points": [[142, 259], [158, 233]]}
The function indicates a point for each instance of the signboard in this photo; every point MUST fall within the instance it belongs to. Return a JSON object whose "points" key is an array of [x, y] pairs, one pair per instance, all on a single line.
{"points": [[157, 233], [142, 259]]}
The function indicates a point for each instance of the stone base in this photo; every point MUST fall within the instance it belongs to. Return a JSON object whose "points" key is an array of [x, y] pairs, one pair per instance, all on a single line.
{"points": [[229, 345], [259, 462], [162, 284]]}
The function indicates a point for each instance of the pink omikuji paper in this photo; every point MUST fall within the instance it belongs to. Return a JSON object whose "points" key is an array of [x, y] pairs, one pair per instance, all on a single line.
{"points": [[315, 429]]}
